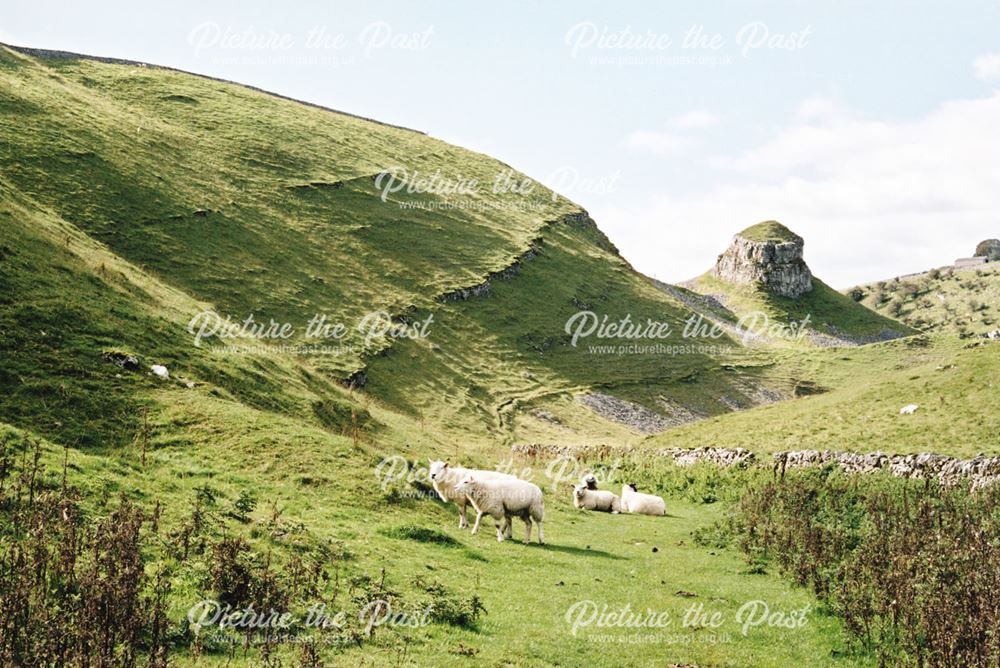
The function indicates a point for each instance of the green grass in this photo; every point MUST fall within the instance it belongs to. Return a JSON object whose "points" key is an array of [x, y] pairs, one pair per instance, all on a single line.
{"points": [[616, 560], [769, 230], [857, 408], [958, 302], [823, 309], [133, 198]]}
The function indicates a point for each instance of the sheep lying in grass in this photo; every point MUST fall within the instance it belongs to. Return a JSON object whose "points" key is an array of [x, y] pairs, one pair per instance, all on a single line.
{"points": [[502, 500], [643, 504], [595, 499], [445, 478]]}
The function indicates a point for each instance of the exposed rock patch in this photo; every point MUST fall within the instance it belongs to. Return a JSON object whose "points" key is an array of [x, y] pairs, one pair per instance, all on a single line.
{"points": [[980, 470], [769, 256], [681, 456], [625, 412]]}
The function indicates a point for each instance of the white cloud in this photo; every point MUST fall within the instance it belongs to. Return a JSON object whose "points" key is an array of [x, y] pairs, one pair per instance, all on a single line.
{"points": [[873, 199], [676, 138], [820, 109], [987, 66]]}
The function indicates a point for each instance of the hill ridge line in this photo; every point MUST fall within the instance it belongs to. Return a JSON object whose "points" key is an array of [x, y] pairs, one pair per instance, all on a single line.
{"points": [[68, 55], [534, 247], [359, 376]]}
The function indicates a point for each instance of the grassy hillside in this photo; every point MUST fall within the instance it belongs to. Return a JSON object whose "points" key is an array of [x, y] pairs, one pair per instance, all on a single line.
{"points": [[252, 205], [825, 312], [960, 302], [851, 400], [133, 199]]}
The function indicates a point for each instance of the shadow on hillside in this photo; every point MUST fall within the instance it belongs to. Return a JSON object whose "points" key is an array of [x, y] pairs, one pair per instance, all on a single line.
{"points": [[580, 552]]}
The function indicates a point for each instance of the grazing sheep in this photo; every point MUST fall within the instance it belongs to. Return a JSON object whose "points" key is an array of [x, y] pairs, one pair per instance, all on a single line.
{"points": [[502, 500], [445, 477], [160, 370], [909, 409], [644, 504], [596, 499]]}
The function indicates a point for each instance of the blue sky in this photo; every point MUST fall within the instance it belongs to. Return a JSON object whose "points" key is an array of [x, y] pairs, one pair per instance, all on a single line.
{"points": [[870, 129]]}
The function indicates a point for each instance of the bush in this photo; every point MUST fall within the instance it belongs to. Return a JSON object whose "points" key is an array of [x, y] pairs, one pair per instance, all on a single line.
{"points": [[914, 568], [72, 591], [448, 608]]}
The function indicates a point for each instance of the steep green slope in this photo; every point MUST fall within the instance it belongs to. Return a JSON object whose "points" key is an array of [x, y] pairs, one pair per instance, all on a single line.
{"points": [[248, 205], [254, 203], [824, 311], [953, 301]]}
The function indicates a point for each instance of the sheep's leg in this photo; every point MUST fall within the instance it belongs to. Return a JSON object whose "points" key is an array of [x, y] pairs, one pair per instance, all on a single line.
{"points": [[463, 522], [508, 526], [541, 536], [479, 518], [501, 526], [527, 525]]}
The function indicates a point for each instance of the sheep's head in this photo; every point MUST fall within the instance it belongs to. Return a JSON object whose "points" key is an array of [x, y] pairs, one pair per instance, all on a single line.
{"points": [[579, 491], [438, 470], [465, 485], [630, 486], [590, 481]]}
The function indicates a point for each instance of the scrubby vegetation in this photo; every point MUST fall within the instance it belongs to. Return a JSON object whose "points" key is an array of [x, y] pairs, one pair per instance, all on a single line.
{"points": [[913, 568], [959, 302]]}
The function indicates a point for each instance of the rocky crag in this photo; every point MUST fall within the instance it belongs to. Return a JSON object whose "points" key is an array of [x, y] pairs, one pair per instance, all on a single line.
{"points": [[769, 256]]}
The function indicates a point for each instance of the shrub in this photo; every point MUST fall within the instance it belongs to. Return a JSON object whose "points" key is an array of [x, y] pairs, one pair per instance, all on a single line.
{"points": [[449, 608], [914, 568], [72, 591]]}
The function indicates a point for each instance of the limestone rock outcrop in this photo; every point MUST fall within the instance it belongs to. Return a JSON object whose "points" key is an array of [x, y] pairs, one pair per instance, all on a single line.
{"points": [[768, 256]]}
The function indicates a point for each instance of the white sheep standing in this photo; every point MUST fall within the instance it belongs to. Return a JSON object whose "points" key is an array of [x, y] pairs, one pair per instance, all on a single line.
{"points": [[596, 499], [445, 478], [909, 409], [502, 500], [643, 504]]}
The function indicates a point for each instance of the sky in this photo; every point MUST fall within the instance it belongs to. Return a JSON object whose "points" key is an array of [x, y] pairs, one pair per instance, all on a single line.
{"points": [[871, 129]]}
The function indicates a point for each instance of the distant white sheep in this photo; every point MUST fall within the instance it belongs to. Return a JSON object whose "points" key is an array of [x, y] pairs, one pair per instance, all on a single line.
{"points": [[596, 499], [909, 409], [160, 371], [445, 478], [643, 504], [503, 500]]}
